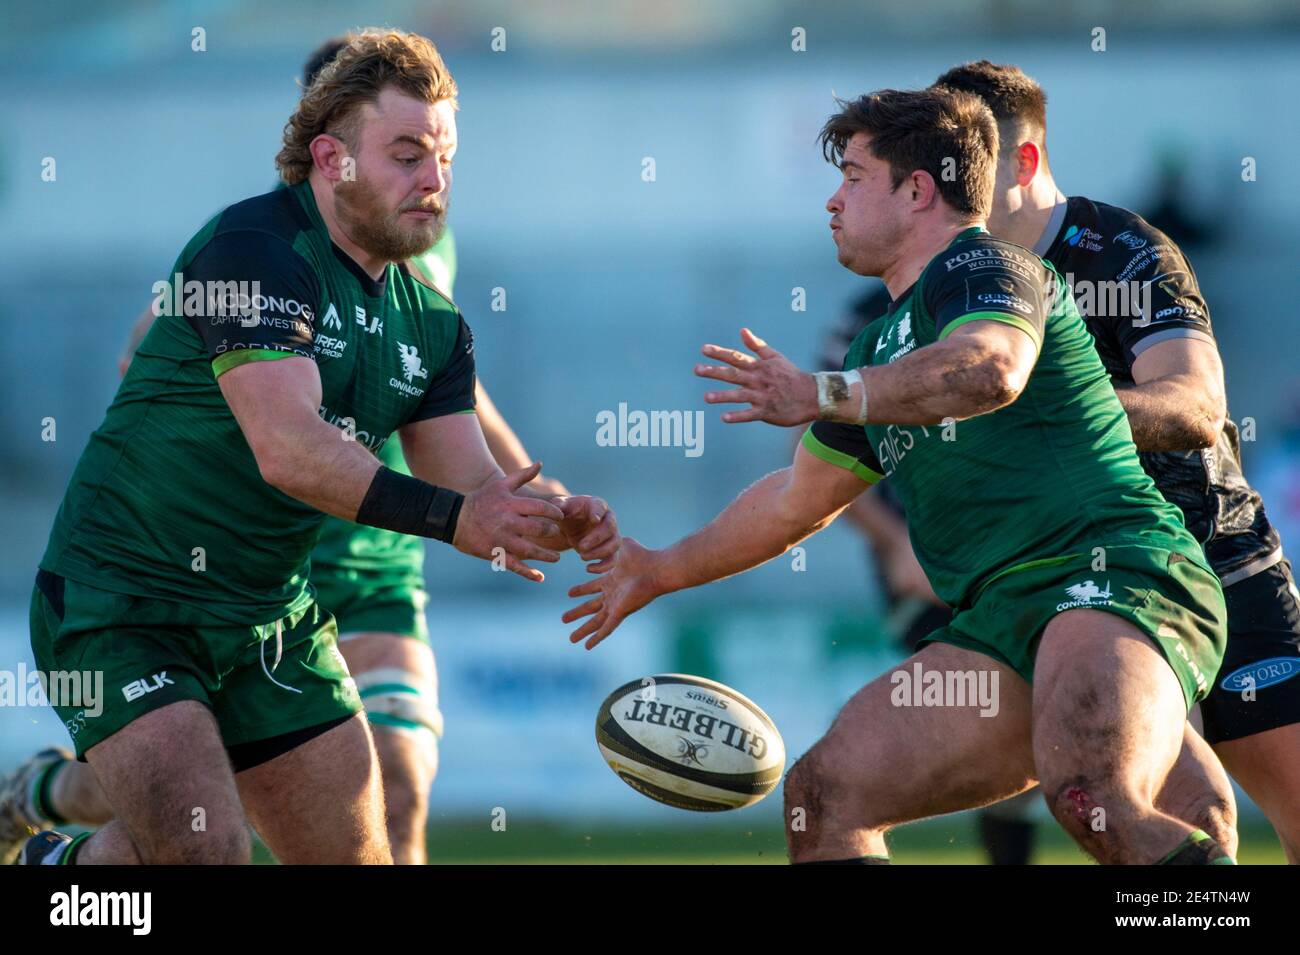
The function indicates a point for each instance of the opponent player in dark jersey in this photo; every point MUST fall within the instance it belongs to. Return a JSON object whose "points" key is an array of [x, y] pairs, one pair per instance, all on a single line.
{"points": [[296, 342], [1151, 326], [981, 395], [372, 581]]}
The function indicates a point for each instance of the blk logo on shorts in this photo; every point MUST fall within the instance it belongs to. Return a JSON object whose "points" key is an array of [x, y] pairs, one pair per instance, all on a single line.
{"points": [[138, 688]]}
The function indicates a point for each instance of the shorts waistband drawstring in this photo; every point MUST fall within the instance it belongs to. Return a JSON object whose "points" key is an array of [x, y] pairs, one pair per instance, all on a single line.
{"points": [[279, 652]]}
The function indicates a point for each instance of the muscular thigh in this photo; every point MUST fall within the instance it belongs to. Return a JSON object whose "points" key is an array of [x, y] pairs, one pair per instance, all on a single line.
{"points": [[1106, 703], [322, 801], [905, 747], [167, 778]]}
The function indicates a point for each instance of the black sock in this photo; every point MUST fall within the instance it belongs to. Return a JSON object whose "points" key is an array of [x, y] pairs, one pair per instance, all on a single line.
{"points": [[1007, 841]]}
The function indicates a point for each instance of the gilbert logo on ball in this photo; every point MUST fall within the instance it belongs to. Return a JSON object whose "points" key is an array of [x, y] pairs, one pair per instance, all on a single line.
{"points": [[690, 742]]}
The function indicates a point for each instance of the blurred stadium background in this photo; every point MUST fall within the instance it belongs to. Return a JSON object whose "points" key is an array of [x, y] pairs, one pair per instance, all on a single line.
{"points": [[612, 283]]}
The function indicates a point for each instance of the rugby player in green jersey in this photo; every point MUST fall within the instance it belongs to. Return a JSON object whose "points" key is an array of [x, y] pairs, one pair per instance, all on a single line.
{"points": [[299, 340], [1142, 304], [372, 581], [1079, 596]]}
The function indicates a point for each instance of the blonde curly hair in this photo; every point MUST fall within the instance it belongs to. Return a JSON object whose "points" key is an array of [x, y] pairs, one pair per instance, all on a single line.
{"points": [[371, 61]]}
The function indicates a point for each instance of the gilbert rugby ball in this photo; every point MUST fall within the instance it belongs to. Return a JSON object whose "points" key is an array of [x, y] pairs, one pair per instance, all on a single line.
{"points": [[690, 742]]}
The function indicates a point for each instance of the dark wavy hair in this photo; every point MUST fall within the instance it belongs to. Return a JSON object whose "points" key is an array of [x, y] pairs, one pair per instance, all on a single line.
{"points": [[921, 130]]}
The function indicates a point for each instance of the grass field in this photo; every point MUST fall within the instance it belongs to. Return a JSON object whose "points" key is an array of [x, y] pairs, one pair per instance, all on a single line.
{"points": [[949, 841]]}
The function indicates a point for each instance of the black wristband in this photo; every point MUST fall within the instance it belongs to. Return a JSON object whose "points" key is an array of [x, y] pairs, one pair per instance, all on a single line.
{"points": [[398, 502]]}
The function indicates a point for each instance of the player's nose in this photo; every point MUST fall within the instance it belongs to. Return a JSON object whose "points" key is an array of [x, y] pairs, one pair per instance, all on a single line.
{"points": [[435, 180]]}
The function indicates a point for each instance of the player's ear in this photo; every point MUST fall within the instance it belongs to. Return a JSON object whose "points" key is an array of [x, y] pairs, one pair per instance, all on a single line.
{"points": [[923, 190], [328, 155], [1028, 158]]}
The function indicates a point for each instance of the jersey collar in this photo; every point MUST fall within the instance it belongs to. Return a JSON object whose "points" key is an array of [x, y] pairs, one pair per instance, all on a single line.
{"points": [[967, 234], [1054, 223]]}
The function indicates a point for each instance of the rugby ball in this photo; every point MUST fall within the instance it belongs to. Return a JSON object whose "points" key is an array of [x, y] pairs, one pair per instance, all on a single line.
{"points": [[690, 742]]}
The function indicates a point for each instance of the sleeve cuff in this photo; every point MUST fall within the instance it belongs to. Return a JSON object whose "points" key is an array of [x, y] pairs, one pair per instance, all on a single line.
{"points": [[1168, 334], [1006, 318], [838, 458], [424, 414], [231, 359]]}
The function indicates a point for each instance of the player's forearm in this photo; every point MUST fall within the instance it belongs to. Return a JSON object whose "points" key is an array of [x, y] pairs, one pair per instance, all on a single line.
{"points": [[1171, 414], [341, 478], [762, 523], [318, 464], [951, 379]]}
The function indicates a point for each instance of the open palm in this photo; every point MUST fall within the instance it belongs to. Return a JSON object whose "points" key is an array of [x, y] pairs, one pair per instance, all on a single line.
{"points": [[627, 585]]}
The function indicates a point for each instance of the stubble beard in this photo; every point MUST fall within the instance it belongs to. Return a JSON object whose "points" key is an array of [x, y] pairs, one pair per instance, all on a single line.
{"points": [[379, 231]]}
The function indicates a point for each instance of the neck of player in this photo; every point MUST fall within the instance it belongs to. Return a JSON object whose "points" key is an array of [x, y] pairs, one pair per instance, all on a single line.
{"points": [[1026, 225], [373, 265], [922, 244]]}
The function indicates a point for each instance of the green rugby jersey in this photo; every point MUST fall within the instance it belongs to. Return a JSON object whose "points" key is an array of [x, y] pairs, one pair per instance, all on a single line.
{"points": [[344, 546], [167, 500], [1052, 474]]}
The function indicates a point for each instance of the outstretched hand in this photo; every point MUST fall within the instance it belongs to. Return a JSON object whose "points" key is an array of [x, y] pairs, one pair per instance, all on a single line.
{"points": [[776, 390], [628, 586]]}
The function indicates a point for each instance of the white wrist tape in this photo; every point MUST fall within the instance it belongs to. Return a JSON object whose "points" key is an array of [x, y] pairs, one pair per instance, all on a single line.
{"points": [[834, 391]]}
